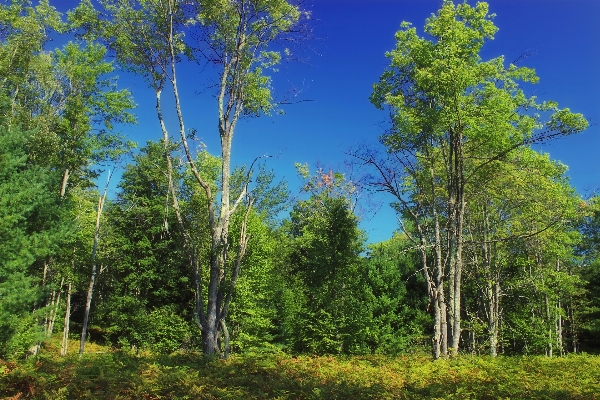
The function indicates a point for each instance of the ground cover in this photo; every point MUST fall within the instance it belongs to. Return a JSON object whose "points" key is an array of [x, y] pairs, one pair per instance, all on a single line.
{"points": [[105, 374]]}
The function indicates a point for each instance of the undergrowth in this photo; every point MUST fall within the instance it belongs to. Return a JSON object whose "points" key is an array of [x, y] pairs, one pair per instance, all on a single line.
{"points": [[105, 374]]}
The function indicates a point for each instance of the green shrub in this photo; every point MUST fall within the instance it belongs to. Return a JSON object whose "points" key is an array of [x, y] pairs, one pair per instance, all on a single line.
{"points": [[167, 332]]}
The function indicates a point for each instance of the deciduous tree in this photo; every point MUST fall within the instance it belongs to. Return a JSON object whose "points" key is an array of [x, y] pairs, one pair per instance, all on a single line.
{"points": [[236, 36], [452, 115]]}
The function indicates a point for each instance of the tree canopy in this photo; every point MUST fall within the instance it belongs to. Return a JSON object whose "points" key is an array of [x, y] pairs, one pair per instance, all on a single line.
{"points": [[495, 250]]}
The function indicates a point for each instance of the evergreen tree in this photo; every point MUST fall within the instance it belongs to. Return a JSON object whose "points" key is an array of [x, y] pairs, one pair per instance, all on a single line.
{"points": [[30, 231], [324, 304], [146, 293], [586, 309], [397, 298]]}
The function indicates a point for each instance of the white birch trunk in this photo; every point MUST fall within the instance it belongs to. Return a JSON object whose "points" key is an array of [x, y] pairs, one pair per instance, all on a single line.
{"points": [[90, 293]]}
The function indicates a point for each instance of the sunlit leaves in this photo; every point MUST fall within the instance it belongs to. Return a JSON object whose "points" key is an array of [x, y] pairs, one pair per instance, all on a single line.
{"points": [[434, 82], [456, 122], [240, 34], [566, 122]]}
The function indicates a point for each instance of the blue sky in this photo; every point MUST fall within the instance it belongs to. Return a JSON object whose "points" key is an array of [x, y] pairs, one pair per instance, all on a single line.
{"points": [[347, 57]]}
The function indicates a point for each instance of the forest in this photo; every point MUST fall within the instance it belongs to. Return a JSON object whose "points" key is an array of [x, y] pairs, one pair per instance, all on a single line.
{"points": [[197, 261]]}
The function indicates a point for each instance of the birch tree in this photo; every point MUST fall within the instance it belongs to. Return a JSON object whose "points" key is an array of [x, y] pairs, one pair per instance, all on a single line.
{"points": [[90, 292], [239, 35], [236, 36]]}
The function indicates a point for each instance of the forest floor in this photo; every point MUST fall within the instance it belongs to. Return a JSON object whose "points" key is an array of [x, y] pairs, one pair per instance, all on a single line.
{"points": [[105, 374]]}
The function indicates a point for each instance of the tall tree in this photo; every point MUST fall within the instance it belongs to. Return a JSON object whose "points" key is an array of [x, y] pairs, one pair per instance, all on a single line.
{"points": [[68, 108], [236, 36], [94, 260], [30, 231], [239, 35], [526, 212], [148, 280], [452, 115]]}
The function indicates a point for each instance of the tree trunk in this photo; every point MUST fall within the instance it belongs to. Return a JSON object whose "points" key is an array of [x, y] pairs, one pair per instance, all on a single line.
{"points": [[444, 314], [226, 339], [573, 327], [65, 338], [459, 213], [559, 322], [48, 313], [63, 187], [209, 331], [492, 332], [199, 317], [54, 311], [441, 323], [559, 331], [494, 315], [549, 347], [88, 303]]}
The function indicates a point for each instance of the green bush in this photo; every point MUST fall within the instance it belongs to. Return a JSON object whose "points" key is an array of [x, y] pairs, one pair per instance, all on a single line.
{"points": [[167, 332], [161, 329]]}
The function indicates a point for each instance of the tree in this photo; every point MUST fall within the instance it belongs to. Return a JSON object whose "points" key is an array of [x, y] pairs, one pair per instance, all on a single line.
{"points": [[397, 297], [73, 260], [30, 230], [64, 95], [324, 299], [146, 294], [452, 115], [525, 214], [585, 310], [236, 36], [253, 314], [90, 107], [69, 109], [94, 260]]}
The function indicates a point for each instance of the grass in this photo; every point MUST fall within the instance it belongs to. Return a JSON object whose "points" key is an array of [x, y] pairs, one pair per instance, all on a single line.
{"points": [[103, 374]]}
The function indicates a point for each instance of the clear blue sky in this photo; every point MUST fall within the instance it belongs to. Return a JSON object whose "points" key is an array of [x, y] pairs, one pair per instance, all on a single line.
{"points": [[563, 37]]}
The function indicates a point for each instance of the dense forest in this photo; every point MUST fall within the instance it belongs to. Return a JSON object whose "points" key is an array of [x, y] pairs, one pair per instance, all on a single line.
{"points": [[496, 253]]}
